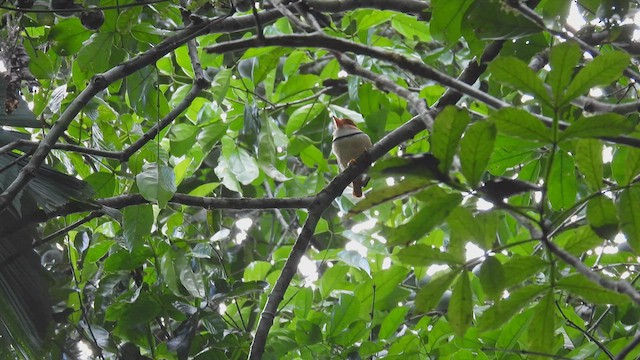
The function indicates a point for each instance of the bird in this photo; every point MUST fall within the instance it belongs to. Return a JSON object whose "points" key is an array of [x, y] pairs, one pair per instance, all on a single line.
{"points": [[349, 142]]}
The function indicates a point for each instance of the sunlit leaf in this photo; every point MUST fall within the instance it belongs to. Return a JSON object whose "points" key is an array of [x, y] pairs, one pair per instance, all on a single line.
{"points": [[475, 150], [460, 312], [629, 215], [602, 70]]}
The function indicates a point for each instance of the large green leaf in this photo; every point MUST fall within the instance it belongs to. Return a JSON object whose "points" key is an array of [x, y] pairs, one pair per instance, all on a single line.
{"points": [[94, 56], [629, 215], [447, 130], [516, 73], [137, 224], [460, 311], [562, 186], [492, 277], [505, 309], [542, 328], [475, 150], [602, 216], [494, 20], [625, 165], [563, 59], [434, 212], [343, 314], [579, 285], [67, 36], [392, 322], [520, 123], [156, 183], [607, 125], [589, 162], [429, 295], [380, 195], [603, 70], [447, 18]]}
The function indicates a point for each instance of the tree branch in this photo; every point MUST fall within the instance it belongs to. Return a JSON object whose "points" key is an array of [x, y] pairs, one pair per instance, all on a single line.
{"points": [[322, 201]]}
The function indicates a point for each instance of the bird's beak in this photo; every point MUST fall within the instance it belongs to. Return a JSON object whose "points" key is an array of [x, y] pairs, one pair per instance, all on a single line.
{"points": [[337, 122]]}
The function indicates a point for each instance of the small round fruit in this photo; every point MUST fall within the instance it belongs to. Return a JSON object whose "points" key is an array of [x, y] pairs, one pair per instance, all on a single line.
{"points": [[92, 19], [62, 5], [24, 4], [243, 5]]}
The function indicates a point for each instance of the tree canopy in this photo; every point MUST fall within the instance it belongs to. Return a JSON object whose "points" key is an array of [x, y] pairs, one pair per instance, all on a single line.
{"points": [[169, 192]]}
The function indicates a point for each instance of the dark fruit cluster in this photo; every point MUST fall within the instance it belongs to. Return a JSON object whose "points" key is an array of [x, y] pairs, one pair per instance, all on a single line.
{"points": [[24, 4], [91, 18]]}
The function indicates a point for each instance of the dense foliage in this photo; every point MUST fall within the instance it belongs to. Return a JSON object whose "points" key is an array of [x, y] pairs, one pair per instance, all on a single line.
{"points": [[502, 218]]}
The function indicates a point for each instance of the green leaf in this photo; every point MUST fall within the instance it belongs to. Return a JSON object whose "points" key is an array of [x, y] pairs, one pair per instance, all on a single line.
{"points": [[505, 309], [579, 285], [492, 277], [515, 72], [429, 295], [475, 150], [446, 19], [137, 224], [303, 115], [383, 291], [94, 56], [220, 85], [168, 271], [625, 165], [521, 268], [243, 166], [392, 322], [380, 195], [521, 124], [425, 255], [354, 259], [156, 183], [357, 331], [541, 330], [602, 70], [333, 279], [204, 189], [423, 165], [580, 240], [191, 281], [433, 213], [629, 214], [493, 20], [67, 36], [602, 217], [589, 162], [307, 333], [183, 136], [125, 260], [445, 136], [103, 183], [98, 250], [464, 225], [303, 302], [563, 59], [606, 125], [142, 311], [343, 314], [257, 270], [562, 187], [460, 311]]}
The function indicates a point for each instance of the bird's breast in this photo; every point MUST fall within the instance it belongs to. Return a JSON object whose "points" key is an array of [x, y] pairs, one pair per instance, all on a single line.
{"points": [[349, 147]]}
